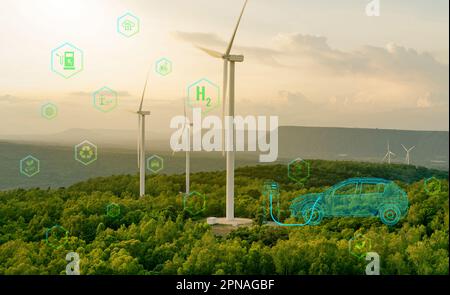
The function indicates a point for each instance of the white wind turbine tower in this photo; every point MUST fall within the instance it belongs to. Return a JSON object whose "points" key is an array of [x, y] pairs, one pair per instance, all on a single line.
{"points": [[187, 139], [230, 155], [141, 141], [407, 158], [388, 154]]}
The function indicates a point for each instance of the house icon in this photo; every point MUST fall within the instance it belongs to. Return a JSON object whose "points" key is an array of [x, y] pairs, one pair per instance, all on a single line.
{"points": [[128, 25]]}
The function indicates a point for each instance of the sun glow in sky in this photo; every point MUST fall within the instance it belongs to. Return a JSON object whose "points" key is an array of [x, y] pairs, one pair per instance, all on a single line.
{"points": [[313, 63]]}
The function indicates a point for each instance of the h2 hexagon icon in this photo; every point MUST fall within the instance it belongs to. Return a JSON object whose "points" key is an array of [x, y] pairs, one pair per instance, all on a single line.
{"points": [[155, 163], [194, 203], [86, 152], [105, 99], [128, 24], [163, 67], [203, 94], [29, 166], [359, 245], [67, 60], [49, 111], [298, 170]]}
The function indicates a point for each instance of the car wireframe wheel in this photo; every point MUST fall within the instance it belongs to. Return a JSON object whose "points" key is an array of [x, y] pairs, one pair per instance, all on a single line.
{"points": [[389, 214], [312, 215]]}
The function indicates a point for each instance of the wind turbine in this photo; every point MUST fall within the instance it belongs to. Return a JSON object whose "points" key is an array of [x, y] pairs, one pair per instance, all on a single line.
{"points": [[230, 155], [407, 158], [141, 141], [388, 154], [188, 147]]}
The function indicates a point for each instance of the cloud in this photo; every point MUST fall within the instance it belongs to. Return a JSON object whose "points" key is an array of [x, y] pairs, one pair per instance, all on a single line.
{"points": [[212, 41], [84, 93], [395, 61], [11, 99], [313, 53], [371, 81]]}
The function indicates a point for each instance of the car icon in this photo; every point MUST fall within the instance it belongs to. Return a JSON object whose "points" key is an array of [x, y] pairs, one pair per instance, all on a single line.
{"points": [[355, 197]]}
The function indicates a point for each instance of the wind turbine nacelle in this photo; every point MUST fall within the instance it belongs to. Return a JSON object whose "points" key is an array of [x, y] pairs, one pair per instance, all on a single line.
{"points": [[145, 113], [235, 58]]}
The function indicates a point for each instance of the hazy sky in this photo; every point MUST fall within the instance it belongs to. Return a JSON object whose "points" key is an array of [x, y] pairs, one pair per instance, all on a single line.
{"points": [[313, 63]]}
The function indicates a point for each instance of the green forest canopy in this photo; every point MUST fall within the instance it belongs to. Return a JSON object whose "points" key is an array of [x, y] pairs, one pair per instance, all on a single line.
{"points": [[154, 235]]}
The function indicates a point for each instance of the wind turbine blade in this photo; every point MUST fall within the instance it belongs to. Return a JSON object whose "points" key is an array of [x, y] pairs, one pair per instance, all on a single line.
{"points": [[392, 153], [139, 142], [235, 30], [224, 100], [210, 52], [413, 147], [404, 148], [143, 92]]}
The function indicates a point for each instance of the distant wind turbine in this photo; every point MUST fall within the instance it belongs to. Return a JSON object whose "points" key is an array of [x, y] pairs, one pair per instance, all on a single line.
{"points": [[407, 158], [141, 141], [230, 155], [388, 154], [187, 148]]}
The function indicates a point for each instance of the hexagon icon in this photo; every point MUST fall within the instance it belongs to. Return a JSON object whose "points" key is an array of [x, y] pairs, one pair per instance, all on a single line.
{"points": [[203, 94], [155, 163], [56, 236], [113, 210], [432, 185], [29, 166], [86, 152], [194, 203], [163, 66], [298, 170], [128, 24], [49, 111], [270, 186], [105, 99], [67, 60], [359, 245]]}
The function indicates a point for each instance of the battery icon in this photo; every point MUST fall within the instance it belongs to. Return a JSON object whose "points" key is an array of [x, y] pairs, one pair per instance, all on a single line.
{"points": [[69, 60]]}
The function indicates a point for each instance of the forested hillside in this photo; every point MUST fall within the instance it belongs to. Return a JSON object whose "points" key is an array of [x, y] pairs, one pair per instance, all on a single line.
{"points": [[154, 235]]}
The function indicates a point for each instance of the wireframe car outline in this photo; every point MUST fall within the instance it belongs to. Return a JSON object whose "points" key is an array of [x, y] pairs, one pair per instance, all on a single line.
{"points": [[355, 197]]}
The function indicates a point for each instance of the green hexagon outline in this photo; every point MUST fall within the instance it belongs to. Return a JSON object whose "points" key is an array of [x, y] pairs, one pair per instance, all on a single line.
{"points": [[308, 170], [148, 163], [159, 61], [350, 245], [213, 85], [34, 159], [108, 209], [133, 16], [73, 73], [76, 152], [428, 180], [44, 106], [109, 90], [66, 236], [185, 196]]}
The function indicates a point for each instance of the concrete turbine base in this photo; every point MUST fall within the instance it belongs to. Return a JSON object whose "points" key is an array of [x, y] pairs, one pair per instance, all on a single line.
{"points": [[225, 221]]}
